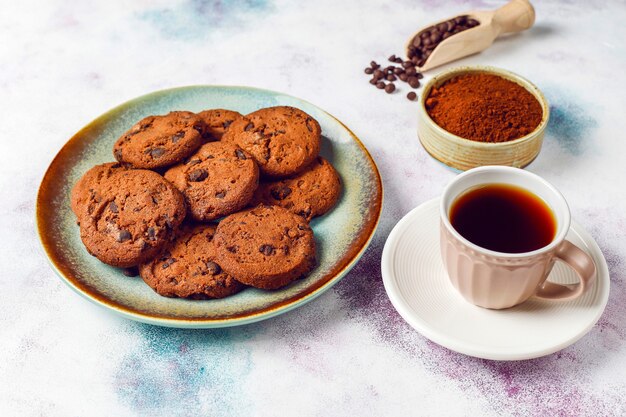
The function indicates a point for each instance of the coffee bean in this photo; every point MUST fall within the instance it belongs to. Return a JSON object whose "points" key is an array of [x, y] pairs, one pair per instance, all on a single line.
{"points": [[198, 175], [398, 70], [419, 75], [398, 60], [414, 82], [266, 250], [390, 88], [417, 42], [407, 64], [368, 70], [391, 77], [403, 76], [392, 58], [472, 23], [374, 65], [411, 96], [240, 154], [281, 192], [442, 27], [378, 74], [411, 71], [380, 85], [374, 81], [213, 268]]}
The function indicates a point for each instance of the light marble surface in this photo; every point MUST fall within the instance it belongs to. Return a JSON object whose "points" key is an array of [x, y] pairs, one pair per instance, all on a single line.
{"points": [[63, 63]]}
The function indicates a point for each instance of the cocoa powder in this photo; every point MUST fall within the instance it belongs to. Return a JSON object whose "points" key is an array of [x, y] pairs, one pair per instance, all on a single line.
{"points": [[484, 107]]}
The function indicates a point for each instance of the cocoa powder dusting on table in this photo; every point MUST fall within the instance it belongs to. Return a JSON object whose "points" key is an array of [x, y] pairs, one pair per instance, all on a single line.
{"points": [[484, 107]]}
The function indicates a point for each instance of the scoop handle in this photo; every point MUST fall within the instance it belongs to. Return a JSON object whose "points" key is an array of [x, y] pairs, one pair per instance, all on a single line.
{"points": [[515, 16]]}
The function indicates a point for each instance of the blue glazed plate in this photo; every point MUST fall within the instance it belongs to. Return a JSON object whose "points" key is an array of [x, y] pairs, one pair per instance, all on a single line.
{"points": [[341, 235]]}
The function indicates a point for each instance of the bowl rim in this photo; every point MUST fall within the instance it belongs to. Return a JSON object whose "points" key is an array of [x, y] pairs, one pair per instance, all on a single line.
{"points": [[509, 75]]}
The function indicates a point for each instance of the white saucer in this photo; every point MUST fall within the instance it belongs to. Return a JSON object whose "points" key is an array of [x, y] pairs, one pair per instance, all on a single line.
{"points": [[418, 287]]}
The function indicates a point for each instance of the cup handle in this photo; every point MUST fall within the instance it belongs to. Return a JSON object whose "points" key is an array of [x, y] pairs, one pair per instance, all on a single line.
{"points": [[581, 263]]}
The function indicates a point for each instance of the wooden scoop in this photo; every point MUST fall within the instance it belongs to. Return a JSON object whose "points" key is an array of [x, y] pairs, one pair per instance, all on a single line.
{"points": [[515, 16]]}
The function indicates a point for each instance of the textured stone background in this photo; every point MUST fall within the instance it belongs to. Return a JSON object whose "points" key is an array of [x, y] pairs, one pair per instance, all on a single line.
{"points": [[63, 63]]}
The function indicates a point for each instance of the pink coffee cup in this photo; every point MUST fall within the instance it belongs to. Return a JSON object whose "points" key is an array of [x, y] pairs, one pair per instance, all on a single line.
{"points": [[501, 280]]}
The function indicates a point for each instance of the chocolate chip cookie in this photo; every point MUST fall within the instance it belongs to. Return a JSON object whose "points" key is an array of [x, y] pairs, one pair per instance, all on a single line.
{"points": [[216, 181], [86, 191], [160, 141], [217, 121], [189, 267], [283, 140], [311, 193], [266, 247], [134, 215]]}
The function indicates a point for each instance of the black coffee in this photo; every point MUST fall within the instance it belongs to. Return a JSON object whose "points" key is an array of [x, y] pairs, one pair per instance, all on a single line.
{"points": [[503, 218]]}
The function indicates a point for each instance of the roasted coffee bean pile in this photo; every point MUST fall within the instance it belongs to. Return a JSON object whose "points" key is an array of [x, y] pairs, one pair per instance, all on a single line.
{"points": [[427, 40], [406, 72]]}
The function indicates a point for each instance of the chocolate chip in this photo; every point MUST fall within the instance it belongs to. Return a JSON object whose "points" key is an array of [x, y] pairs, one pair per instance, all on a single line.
{"points": [[123, 236], [281, 192], [198, 175], [151, 233], [411, 96], [302, 227], [390, 88], [249, 126], [266, 250], [231, 249], [155, 152], [240, 154], [113, 207], [143, 245], [226, 124], [197, 128], [221, 194], [178, 136], [368, 70], [305, 213], [117, 153], [193, 162], [213, 268], [168, 262]]}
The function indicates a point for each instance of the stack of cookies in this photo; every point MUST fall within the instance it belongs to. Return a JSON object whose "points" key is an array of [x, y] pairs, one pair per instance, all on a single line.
{"points": [[156, 210]]}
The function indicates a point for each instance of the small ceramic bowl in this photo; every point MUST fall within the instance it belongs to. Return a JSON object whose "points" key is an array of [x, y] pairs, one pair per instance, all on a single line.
{"points": [[463, 154]]}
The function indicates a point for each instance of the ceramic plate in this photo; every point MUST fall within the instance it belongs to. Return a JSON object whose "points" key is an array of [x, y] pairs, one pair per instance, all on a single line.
{"points": [[342, 235], [419, 288]]}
